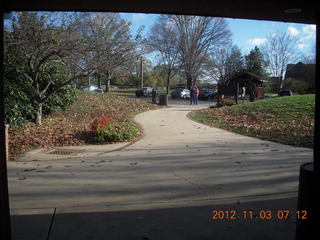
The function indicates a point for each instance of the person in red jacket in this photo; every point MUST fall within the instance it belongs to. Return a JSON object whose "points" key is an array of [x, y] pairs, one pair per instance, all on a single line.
{"points": [[196, 94]]}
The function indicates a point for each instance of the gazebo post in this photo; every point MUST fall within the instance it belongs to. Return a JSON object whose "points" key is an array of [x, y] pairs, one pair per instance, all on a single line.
{"points": [[251, 92]]}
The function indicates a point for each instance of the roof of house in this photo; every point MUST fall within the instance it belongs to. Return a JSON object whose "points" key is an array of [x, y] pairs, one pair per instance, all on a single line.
{"points": [[245, 76], [300, 70]]}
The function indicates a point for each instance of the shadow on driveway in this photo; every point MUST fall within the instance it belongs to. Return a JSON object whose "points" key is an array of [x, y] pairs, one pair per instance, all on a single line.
{"points": [[166, 223]]}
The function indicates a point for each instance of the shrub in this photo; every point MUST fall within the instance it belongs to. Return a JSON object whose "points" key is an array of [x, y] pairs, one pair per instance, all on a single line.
{"points": [[107, 130], [228, 102], [17, 94], [224, 102], [60, 101], [19, 99]]}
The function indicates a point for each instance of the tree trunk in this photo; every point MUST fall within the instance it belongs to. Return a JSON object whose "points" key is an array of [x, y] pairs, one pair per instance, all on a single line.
{"points": [[168, 82], [39, 114], [99, 80], [108, 82], [280, 84], [218, 93], [189, 81], [141, 72]]}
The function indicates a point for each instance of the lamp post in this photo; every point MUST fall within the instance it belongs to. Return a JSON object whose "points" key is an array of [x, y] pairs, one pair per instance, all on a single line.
{"points": [[141, 71]]}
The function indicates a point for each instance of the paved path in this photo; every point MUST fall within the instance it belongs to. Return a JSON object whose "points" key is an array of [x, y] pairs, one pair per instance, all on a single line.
{"points": [[178, 163]]}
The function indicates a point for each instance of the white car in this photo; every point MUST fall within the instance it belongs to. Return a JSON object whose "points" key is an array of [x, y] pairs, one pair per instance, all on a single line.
{"points": [[185, 93], [180, 93], [93, 89]]}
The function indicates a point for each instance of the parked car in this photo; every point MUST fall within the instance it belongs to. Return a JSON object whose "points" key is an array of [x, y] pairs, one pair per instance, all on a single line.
{"points": [[180, 93], [92, 89], [285, 93], [80, 87], [206, 94], [144, 92]]}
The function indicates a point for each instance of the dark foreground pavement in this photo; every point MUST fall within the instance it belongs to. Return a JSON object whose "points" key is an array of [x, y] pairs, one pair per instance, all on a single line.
{"points": [[164, 223]]}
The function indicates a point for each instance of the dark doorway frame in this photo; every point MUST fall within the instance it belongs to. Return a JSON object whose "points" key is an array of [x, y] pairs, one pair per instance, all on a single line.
{"points": [[288, 11]]}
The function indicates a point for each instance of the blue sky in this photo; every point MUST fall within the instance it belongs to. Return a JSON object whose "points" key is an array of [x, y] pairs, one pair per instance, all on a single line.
{"points": [[245, 33]]}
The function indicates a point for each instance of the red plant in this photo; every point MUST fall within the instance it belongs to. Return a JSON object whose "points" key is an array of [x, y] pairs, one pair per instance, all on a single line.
{"points": [[95, 125]]}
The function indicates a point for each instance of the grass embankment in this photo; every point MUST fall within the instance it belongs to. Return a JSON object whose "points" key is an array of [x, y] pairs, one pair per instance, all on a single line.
{"points": [[288, 120], [73, 126]]}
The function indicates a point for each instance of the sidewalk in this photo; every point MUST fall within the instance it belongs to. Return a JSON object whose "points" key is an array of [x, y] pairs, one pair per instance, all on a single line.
{"points": [[162, 187]]}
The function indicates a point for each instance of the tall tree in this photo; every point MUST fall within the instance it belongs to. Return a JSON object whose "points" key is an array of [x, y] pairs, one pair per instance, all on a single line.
{"points": [[37, 46], [163, 39], [279, 50], [225, 62], [107, 44], [255, 62], [235, 63], [197, 37]]}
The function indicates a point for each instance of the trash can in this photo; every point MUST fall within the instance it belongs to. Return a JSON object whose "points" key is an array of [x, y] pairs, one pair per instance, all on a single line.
{"points": [[163, 99]]}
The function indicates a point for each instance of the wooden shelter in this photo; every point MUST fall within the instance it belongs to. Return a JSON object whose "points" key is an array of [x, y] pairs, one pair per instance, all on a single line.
{"points": [[244, 83]]}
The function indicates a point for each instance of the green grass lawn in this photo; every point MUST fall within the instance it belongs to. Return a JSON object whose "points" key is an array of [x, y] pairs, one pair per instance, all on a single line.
{"points": [[288, 120]]}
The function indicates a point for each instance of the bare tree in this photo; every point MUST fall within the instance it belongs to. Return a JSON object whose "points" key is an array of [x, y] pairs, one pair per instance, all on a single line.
{"points": [[197, 38], [279, 51], [107, 44], [163, 39], [225, 62], [310, 58], [37, 46]]}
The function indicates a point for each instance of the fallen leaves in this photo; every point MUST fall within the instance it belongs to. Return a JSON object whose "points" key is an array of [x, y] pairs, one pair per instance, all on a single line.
{"points": [[72, 127]]}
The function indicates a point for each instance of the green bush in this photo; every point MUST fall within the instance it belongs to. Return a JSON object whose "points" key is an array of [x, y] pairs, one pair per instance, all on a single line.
{"points": [[17, 95], [65, 96], [228, 102], [224, 102], [107, 130], [60, 101], [19, 99]]}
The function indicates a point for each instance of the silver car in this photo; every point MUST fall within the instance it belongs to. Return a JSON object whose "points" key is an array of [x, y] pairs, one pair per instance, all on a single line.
{"points": [[93, 89], [180, 93]]}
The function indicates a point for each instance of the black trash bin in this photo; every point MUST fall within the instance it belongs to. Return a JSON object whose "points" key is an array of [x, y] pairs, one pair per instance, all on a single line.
{"points": [[163, 99]]}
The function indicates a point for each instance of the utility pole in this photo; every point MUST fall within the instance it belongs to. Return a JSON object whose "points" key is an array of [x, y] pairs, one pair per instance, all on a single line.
{"points": [[141, 71]]}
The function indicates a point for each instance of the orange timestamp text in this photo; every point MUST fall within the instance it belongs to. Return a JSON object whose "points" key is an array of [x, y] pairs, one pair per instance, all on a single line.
{"points": [[259, 215]]}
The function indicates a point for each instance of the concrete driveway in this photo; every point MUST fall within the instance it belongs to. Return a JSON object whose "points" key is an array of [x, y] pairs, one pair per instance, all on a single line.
{"points": [[180, 169]]}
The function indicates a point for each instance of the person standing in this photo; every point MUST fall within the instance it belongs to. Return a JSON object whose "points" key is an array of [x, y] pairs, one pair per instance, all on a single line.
{"points": [[154, 95], [196, 94], [192, 95]]}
